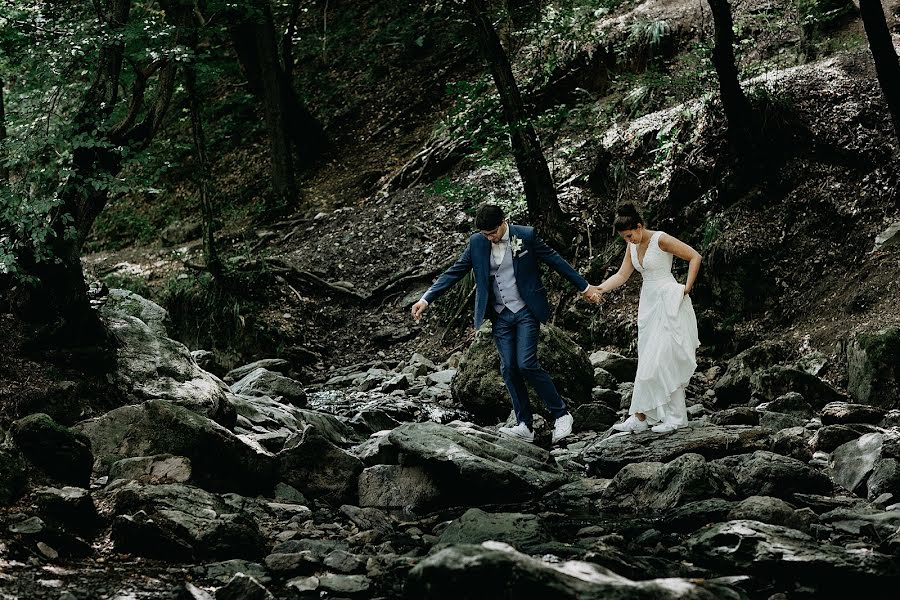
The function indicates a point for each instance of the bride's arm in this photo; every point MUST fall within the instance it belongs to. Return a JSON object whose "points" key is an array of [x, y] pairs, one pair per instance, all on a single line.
{"points": [[673, 245], [621, 275]]}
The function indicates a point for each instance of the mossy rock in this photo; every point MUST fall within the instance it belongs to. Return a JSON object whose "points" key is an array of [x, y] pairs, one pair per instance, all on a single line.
{"points": [[873, 368], [12, 475], [61, 453], [479, 387]]}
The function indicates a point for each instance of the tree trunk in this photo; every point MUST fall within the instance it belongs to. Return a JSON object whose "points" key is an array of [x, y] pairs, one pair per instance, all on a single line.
{"points": [[884, 55], [734, 102], [4, 170], [540, 193]]}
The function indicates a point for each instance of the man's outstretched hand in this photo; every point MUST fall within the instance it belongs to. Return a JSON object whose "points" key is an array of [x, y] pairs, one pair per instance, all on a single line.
{"points": [[593, 294], [418, 308]]}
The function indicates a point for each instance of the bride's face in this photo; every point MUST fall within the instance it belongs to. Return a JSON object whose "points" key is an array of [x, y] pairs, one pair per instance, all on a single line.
{"points": [[633, 236]]}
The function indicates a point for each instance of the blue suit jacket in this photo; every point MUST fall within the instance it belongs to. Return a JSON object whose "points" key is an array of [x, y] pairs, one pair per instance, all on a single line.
{"points": [[477, 257]]}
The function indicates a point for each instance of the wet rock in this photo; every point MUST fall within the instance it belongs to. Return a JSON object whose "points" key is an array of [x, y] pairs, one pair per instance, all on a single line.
{"points": [[829, 437], [577, 497], [377, 450], [773, 382], [343, 562], [764, 473], [261, 415], [278, 365], [151, 365], [845, 413], [174, 521], [873, 368], [694, 515], [739, 415], [788, 555], [243, 587], [398, 487], [318, 468], [63, 454], [445, 377], [776, 421], [791, 403], [852, 462], [475, 466], [496, 570], [885, 479], [594, 417], [658, 486], [12, 475], [262, 382], [793, 442], [220, 461], [373, 420], [479, 388], [162, 468], [606, 456], [774, 511], [69, 507], [521, 531], [734, 386]]}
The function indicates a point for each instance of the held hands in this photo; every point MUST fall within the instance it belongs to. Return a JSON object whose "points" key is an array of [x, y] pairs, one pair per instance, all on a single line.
{"points": [[593, 294], [418, 309]]}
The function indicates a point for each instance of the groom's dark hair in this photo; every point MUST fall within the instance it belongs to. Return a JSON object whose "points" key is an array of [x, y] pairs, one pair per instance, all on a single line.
{"points": [[488, 217]]}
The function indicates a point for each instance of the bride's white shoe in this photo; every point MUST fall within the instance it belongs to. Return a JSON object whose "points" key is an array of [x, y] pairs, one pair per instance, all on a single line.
{"points": [[665, 427], [632, 424]]}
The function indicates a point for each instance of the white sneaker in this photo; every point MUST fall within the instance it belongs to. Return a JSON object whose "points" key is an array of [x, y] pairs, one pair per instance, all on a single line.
{"points": [[520, 432], [562, 427], [632, 423], [665, 427]]}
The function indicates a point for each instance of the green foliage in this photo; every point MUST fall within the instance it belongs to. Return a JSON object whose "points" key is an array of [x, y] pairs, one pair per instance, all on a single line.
{"points": [[132, 283], [475, 116], [712, 229]]}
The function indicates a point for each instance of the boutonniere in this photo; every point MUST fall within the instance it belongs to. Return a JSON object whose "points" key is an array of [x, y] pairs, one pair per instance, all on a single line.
{"points": [[515, 245]]}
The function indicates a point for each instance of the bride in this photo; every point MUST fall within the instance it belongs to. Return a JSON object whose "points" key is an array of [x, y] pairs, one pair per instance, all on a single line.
{"points": [[667, 326]]}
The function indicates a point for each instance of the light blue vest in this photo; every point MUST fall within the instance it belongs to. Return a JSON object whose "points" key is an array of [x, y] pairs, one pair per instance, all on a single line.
{"points": [[503, 282]]}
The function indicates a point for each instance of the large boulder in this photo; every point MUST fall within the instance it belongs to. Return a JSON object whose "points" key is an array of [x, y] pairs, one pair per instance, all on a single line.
{"points": [[475, 526], [764, 473], [852, 462], [873, 368], [495, 570], [398, 487], [178, 522], [318, 468], [774, 382], [63, 454], [271, 423], [150, 365], [475, 466], [262, 382], [220, 460], [734, 386], [479, 387]]}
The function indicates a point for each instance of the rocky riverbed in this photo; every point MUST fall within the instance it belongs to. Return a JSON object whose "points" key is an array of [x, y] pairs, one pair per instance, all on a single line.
{"points": [[389, 480]]}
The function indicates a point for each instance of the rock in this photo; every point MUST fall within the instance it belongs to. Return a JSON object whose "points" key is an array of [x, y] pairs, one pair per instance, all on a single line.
{"points": [[377, 450], [243, 587], [791, 403], [318, 468], [888, 237], [829, 437], [181, 231], [476, 466], [374, 420], [290, 494], [844, 413], [873, 368], [292, 563], [793, 442], [445, 376], [658, 486], [610, 398], [604, 379], [776, 421], [785, 554], [344, 584], [621, 368], [398, 382], [764, 473], [262, 415], [774, 511], [278, 365], [223, 571], [262, 382], [594, 417], [61, 453], [303, 584], [479, 388], [606, 456], [12, 475], [153, 366], [178, 522], [773, 382], [162, 468], [208, 361], [343, 562], [693, 515], [734, 386], [885, 479], [852, 462], [220, 461], [739, 415], [49, 539], [521, 531], [496, 570], [398, 487], [69, 507]]}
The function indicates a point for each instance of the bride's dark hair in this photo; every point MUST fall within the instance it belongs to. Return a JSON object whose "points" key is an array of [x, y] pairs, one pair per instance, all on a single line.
{"points": [[627, 217]]}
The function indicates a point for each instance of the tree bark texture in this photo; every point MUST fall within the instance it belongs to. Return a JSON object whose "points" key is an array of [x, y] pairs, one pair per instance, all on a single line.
{"points": [[540, 192], [887, 66], [734, 102]]}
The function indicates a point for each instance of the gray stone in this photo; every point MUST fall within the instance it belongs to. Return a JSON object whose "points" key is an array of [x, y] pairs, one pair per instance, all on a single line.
{"points": [[594, 417], [343, 562], [162, 468], [774, 511], [243, 587], [70, 507], [791, 403], [523, 532], [262, 382], [734, 386], [496, 570], [377, 450], [852, 462], [177, 522], [479, 388], [829, 437], [776, 421], [291, 563], [622, 368], [873, 368], [318, 468], [344, 584], [220, 461], [62, 453], [888, 237], [398, 487], [288, 493], [445, 376], [223, 571], [885, 479], [373, 420], [764, 473], [845, 413], [739, 415], [793, 442], [773, 382], [279, 365], [264, 414], [604, 379], [12, 475], [693, 515]]}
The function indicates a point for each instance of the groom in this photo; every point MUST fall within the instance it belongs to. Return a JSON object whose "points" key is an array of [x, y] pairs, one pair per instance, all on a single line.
{"points": [[508, 292]]}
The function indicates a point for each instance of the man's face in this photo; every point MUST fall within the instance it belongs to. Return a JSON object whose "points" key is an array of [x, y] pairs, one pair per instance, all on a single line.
{"points": [[496, 234]]}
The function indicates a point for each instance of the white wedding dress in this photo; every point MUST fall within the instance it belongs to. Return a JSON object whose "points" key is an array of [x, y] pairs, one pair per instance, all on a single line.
{"points": [[667, 339]]}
